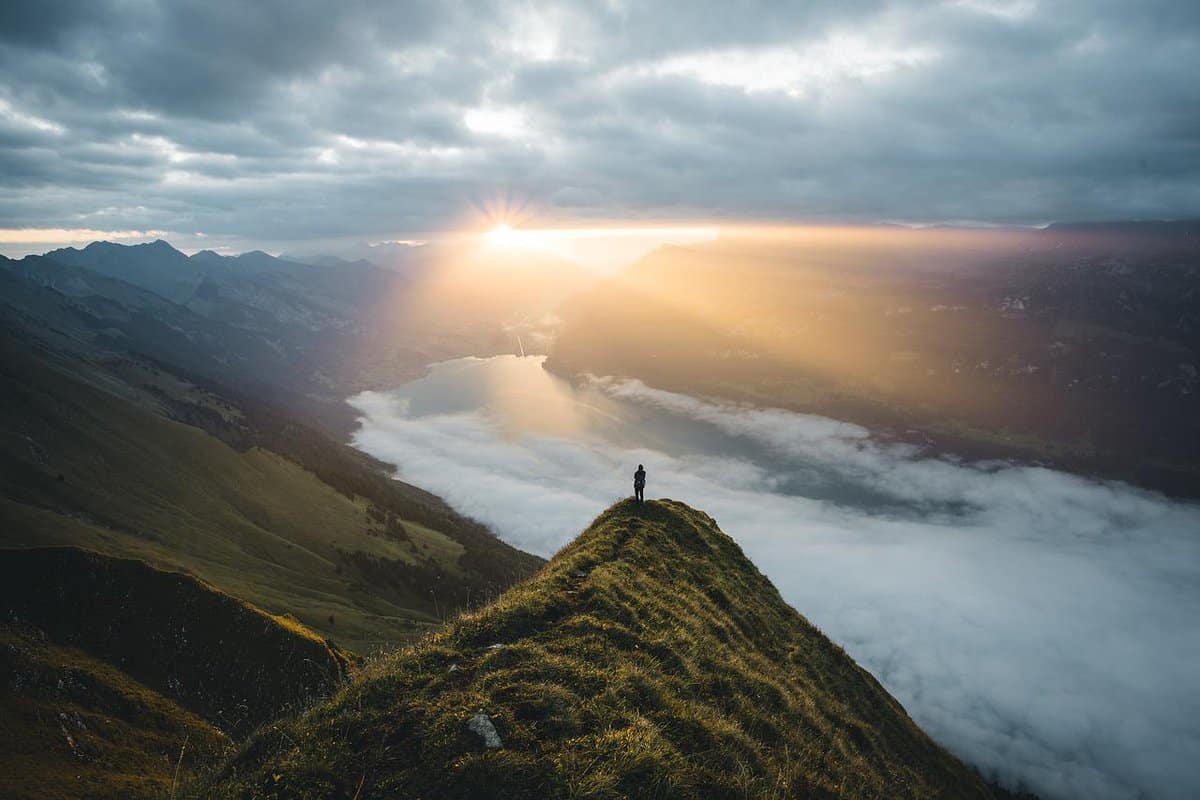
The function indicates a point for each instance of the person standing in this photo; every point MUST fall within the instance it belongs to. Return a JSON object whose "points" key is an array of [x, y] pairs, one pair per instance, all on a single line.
{"points": [[639, 483]]}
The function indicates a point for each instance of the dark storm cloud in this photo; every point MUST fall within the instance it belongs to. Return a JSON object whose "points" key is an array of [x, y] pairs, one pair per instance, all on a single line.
{"points": [[269, 121]]}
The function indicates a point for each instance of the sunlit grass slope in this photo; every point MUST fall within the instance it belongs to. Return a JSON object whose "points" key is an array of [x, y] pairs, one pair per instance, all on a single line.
{"points": [[355, 556], [649, 658]]}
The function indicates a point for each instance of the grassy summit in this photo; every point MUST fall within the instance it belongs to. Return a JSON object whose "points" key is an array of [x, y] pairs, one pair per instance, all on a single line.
{"points": [[649, 658]]}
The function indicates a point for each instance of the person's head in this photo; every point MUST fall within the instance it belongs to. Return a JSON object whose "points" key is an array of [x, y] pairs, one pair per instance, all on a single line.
{"points": [[640, 466]]}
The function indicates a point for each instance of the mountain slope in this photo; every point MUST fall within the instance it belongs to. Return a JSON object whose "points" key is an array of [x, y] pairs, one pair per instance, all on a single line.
{"points": [[119, 678], [155, 266], [271, 512], [649, 658], [302, 337], [221, 658], [72, 725]]}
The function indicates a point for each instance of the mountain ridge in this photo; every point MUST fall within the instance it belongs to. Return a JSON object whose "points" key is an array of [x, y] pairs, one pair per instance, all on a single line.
{"points": [[166, 629], [648, 658], [120, 679]]}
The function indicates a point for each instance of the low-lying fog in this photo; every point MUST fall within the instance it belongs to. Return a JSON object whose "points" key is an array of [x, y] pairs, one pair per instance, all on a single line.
{"points": [[1044, 626]]}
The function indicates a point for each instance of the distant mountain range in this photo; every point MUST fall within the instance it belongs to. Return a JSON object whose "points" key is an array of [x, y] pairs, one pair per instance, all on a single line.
{"points": [[303, 336]]}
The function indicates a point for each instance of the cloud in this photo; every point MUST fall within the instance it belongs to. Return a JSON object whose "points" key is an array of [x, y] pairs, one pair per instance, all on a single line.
{"points": [[284, 121], [59, 235], [1040, 624]]}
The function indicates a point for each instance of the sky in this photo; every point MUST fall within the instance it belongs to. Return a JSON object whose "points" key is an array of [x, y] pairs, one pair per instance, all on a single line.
{"points": [[290, 124], [1040, 625]]}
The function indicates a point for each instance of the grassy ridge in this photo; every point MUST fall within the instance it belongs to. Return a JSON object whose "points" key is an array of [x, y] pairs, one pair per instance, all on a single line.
{"points": [[217, 656], [650, 658], [120, 680]]}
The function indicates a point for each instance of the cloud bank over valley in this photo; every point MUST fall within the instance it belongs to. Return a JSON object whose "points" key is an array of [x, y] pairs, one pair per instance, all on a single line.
{"points": [[1040, 624]]}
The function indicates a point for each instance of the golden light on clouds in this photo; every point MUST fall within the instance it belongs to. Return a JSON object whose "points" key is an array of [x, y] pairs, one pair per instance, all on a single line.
{"points": [[69, 235], [603, 247]]}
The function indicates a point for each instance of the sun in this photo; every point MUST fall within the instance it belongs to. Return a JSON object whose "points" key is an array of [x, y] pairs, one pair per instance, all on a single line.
{"points": [[503, 235]]}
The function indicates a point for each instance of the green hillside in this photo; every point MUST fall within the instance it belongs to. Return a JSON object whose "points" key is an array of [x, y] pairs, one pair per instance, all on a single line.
{"points": [[121, 681], [217, 656], [649, 658], [90, 456]]}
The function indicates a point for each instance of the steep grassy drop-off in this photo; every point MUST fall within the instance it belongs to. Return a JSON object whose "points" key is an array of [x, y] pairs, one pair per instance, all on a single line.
{"points": [[72, 725], [118, 680], [217, 656], [649, 658]]}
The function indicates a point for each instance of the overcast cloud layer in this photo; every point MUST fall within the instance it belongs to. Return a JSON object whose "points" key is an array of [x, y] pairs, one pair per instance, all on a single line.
{"points": [[1041, 625], [287, 120]]}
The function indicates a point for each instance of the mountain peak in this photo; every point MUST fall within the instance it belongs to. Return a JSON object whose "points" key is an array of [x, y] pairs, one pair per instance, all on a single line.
{"points": [[649, 656], [103, 245]]}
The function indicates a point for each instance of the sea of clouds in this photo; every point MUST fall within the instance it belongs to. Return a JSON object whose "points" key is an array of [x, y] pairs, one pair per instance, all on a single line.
{"points": [[1043, 626]]}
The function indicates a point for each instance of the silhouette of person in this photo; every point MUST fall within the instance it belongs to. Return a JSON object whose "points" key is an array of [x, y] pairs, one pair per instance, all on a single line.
{"points": [[639, 483]]}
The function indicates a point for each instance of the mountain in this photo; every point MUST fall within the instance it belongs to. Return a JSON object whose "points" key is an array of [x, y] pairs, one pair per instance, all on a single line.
{"points": [[322, 260], [1159, 234], [121, 680], [1074, 346], [126, 455], [649, 658], [232, 333], [155, 266], [303, 337]]}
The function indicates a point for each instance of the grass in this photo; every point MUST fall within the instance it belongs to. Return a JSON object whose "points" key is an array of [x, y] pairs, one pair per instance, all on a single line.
{"points": [[222, 659], [85, 460], [649, 658], [73, 726], [121, 681]]}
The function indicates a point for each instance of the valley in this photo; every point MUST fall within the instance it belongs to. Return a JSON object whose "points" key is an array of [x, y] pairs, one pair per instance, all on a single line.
{"points": [[828, 407], [1069, 346]]}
